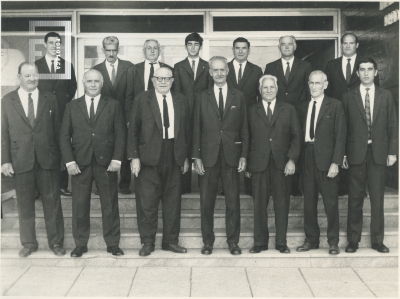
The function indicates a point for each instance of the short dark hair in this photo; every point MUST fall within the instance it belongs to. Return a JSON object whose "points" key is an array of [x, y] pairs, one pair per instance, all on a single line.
{"points": [[349, 33], [194, 37], [25, 63], [51, 34], [241, 40], [367, 60]]}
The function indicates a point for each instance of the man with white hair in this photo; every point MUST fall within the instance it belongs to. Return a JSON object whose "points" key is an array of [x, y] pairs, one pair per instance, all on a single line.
{"points": [[93, 141], [275, 139], [324, 129]]}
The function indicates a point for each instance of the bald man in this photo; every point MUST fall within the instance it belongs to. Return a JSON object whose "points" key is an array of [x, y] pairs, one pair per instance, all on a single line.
{"points": [[93, 141]]}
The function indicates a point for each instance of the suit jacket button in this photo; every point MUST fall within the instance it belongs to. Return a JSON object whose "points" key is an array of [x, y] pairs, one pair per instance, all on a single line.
{"points": [[54, 92], [93, 134], [286, 93], [270, 140]]}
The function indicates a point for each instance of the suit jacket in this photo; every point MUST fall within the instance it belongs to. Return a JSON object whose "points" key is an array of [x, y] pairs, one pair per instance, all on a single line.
{"points": [[20, 141], [337, 84], [119, 92], [106, 137], [283, 136], [135, 83], [64, 90], [146, 130], [296, 91], [384, 126], [185, 83], [330, 132], [250, 81], [211, 130]]}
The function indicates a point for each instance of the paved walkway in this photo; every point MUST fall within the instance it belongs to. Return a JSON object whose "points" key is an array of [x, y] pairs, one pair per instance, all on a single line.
{"points": [[199, 282]]}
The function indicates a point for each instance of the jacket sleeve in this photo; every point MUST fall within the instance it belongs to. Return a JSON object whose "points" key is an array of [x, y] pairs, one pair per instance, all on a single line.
{"points": [[340, 134], [119, 134], [130, 93], [244, 131], [393, 127], [5, 135], [66, 135], [197, 123], [188, 136], [135, 123], [56, 120], [296, 133], [346, 118], [72, 84]]}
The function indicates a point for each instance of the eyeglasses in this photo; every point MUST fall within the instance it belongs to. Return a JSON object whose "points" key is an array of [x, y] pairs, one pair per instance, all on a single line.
{"points": [[166, 79]]}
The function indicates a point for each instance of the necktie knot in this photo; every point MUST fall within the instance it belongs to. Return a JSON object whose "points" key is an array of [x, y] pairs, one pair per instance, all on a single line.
{"points": [[348, 59], [288, 64], [112, 65], [269, 104], [29, 95], [367, 89], [52, 61]]}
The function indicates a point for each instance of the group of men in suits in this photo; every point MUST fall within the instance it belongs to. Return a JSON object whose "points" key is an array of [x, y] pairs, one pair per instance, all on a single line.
{"points": [[227, 117]]}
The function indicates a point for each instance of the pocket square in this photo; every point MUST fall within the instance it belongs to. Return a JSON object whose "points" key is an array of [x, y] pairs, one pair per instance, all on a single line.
{"points": [[233, 107]]}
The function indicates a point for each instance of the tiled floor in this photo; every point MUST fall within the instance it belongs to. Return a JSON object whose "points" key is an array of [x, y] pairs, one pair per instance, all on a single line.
{"points": [[199, 282]]}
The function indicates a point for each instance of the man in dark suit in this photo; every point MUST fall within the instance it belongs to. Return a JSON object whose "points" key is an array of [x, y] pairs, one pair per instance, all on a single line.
{"points": [[342, 77], [372, 144], [93, 141], [220, 146], [30, 132], [292, 74], [275, 139], [158, 146], [64, 90], [244, 75], [139, 76], [324, 129], [191, 77], [114, 72]]}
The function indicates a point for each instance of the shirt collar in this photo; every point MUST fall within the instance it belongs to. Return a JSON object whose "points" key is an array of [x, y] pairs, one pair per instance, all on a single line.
{"points": [[272, 102], [353, 58], [224, 88], [88, 98], [160, 96], [235, 62], [35, 93], [319, 99], [284, 61], [115, 63], [363, 89], [148, 62], [195, 59]]}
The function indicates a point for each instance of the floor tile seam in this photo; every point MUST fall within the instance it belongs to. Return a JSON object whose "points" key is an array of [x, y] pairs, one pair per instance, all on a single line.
{"points": [[133, 278], [22, 274], [305, 280], [80, 273], [248, 281], [364, 282]]}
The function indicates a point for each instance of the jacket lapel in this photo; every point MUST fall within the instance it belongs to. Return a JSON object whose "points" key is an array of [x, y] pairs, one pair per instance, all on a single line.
{"points": [[354, 76], [322, 110], [200, 68], [339, 70], [177, 115], [261, 112], [357, 98], [277, 110], [105, 74], [18, 106], [232, 74], [295, 67], [140, 73], [120, 70], [279, 69], [41, 103], [155, 109], [100, 106], [212, 99], [44, 68], [247, 71], [82, 105], [188, 68], [377, 101], [229, 97]]}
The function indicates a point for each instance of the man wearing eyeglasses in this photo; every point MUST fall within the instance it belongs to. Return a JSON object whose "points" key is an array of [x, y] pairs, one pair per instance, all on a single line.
{"points": [[158, 146], [114, 72]]}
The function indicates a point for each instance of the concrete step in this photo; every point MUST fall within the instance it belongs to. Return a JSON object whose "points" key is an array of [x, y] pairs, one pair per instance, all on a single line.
{"points": [[191, 219], [364, 257], [191, 238]]}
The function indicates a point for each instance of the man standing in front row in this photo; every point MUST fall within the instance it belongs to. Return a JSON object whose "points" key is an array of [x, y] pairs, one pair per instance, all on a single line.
{"points": [[372, 144], [158, 146], [93, 141], [275, 139], [30, 131], [324, 129], [220, 145], [191, 77]]}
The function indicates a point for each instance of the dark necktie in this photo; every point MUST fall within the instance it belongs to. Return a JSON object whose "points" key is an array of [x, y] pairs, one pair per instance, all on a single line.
{"points": [[368, 113], [287, 74], [221, 103], [166, 117], [52, 67], [269, 112], [240, 73], [31, 111], [194, 69], [312, 122], [150, 84], [113, 75], [348, 71], [91, 114]]}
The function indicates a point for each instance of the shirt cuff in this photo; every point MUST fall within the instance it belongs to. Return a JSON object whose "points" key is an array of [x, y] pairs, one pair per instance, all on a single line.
{"points": [[70, 163], [116, 161]]}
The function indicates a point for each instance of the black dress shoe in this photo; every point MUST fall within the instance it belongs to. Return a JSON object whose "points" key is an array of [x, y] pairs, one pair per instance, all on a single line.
{"points": [[258, 248], [78, 251], [282, 248], [58, 250], [307, 246], [96, 192], [380, 247], [147, 249], [334, 249], [234, 249], [125, 191], [207, 249], [351, 247], [65, 192], [222, 193], [24, 252], [173, 247], [115, 250]]}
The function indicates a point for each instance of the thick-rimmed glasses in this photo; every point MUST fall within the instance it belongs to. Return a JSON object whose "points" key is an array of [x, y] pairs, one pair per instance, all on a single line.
{"points": [[160, 79]]}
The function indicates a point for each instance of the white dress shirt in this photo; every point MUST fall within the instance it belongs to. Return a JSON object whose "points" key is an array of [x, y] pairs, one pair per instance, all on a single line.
{"points": [[147, 66], [317, 108], [284, 64], [171, 113], [196, 64], [344, 63], [236, 65], [371, 93], [23, 96], [224, 93], [271, 106], [109, 68], [48, 61]]}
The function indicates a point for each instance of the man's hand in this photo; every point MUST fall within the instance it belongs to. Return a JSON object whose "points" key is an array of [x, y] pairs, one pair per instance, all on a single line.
{"points": [[345, 165], [333, 170], [73, 169], [198, 166], [114, 166], [135, 166], [247, 174], [242, 164], [185, 167], [290, 168], [7, 169], [391, 159]]}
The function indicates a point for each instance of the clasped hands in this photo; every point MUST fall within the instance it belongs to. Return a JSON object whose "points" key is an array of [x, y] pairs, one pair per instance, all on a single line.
{"points": [[199, 167], [135, 166], [73, 168]]}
